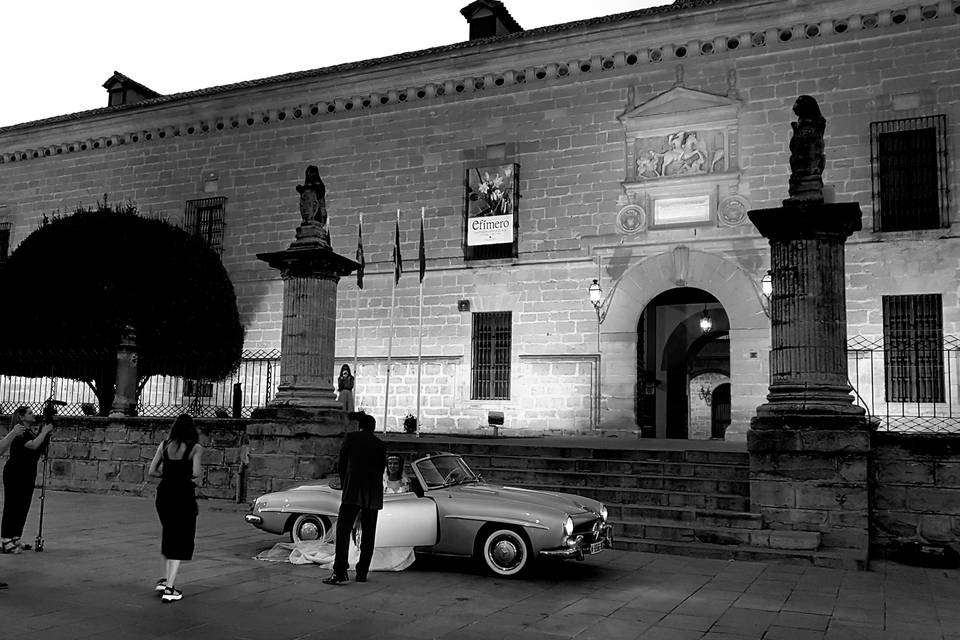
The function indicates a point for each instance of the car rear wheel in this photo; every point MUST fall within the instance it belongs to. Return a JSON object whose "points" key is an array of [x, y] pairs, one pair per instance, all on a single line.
{"points": [[308, 527], [505, 551]]}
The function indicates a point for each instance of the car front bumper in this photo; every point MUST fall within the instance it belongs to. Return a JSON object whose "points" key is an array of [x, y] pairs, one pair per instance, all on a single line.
{"points": [[580, 546]]}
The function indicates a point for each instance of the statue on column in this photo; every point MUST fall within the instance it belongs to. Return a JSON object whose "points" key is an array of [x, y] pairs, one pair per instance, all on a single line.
{"points": [[806, 154], [313, 210]]}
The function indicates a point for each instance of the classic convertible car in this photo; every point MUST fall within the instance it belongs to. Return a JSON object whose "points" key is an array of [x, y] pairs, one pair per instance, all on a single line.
{"points": [[452, 511]]}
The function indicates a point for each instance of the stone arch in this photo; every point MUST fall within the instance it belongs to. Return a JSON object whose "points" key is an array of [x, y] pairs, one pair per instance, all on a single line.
{"points": [[749, 331], [726, 281]]}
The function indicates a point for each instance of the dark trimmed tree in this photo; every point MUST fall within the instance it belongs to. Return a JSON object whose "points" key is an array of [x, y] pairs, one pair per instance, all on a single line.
{"points": [[75, 283]]}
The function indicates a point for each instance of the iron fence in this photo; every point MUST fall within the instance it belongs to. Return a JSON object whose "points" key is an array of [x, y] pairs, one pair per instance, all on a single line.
{"points": [[251, 385], [893, 383]]}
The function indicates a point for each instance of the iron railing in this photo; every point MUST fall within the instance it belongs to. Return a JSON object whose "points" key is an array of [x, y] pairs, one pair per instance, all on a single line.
{"points": [[908, 407], [163, 396]]}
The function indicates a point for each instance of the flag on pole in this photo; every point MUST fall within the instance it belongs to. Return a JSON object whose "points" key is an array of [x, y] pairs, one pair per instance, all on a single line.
{"points": [[423, 255], [360, 253], [397, 259]]}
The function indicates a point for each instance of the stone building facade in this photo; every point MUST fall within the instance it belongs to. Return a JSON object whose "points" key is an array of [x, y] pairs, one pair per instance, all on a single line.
{"points": [[628, 149]]}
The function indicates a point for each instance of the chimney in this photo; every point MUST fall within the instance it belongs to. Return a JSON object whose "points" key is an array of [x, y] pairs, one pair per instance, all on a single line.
{"points": [[488, 18], [123, 90]]}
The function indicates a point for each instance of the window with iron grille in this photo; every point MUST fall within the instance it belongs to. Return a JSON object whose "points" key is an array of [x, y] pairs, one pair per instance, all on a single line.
{"points": [[913, 348], [4, 240], [204, 218], [197, 388], [909, 161], [490, 367]]}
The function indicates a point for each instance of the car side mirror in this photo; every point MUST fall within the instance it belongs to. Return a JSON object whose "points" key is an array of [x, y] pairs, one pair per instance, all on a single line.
{"points": [[416, 487]]}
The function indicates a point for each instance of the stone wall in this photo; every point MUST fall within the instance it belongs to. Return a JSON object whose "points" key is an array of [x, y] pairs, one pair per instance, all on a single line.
{"points": [[112, 455], [916, 490]]}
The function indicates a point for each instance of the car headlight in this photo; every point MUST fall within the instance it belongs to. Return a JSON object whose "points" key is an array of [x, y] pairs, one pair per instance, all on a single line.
{"points": [[568, 526], [603, 513]]}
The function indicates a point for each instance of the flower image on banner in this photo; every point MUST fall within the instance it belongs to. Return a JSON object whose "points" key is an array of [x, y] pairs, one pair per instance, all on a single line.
{"points": [[491, 191]]}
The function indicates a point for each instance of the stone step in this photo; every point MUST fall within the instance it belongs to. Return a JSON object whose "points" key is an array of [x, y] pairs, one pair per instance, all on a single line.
{"points": [[835, 559], [618, 496], [657, 453], [620, 467], [697, 532], [706, 517], [576, 481]]}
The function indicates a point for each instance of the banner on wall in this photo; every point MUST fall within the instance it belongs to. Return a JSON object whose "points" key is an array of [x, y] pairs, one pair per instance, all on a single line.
{"points": [[490, 230]]}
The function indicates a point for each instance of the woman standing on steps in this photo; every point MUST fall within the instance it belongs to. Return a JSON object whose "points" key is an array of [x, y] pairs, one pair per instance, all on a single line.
{"points": [[177, 463]]}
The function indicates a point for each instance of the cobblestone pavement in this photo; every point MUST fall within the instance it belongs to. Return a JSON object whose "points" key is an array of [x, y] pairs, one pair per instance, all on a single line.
{"points": [[95, 580]]}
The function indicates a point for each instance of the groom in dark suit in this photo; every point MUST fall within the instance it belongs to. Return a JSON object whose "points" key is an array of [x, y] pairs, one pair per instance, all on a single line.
{"points": [[363, 457]]}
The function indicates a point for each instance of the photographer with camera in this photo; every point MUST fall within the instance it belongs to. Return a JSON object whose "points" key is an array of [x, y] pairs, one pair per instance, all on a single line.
{"points": [[16, 430], [20, 476]]}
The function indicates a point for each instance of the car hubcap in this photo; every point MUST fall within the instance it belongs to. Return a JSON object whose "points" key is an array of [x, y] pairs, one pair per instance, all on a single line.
{"points": [[505, 553], [309, 531]]}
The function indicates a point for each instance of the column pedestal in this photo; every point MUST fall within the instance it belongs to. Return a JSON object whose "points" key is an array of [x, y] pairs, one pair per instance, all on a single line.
{"points": [[809, 443]]}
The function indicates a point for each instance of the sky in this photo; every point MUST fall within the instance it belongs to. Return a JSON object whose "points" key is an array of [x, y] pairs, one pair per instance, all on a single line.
{"points": [[58, 53]]}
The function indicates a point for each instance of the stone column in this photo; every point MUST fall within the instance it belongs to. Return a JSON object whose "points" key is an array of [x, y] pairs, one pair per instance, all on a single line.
{"points": [[808, 363], [297, 437], [308, 335], [809, 443], [125, 396]]}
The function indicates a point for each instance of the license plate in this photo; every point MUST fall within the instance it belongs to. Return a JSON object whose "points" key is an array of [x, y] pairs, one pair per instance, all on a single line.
{"points": [[596, 547]]}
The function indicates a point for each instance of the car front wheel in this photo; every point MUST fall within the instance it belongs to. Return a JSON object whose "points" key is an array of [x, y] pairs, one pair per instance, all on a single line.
{"points": [[309, 527], [505, 551]]}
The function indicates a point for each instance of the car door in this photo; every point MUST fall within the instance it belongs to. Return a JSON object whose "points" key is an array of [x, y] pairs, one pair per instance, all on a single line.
{"points": [[407, 521]]}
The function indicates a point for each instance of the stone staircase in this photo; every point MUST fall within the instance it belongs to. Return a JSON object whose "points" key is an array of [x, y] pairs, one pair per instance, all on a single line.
{"points": [[676, 497]]}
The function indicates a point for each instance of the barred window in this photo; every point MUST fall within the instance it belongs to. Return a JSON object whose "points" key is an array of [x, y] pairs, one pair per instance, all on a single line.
{"points": [[197, 388], [4, 240], [491, 343], [913, 348], [204, 218], [909, 162]]}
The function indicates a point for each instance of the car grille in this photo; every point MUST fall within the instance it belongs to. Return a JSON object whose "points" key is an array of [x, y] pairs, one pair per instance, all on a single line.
{"points": [[589, 529]]}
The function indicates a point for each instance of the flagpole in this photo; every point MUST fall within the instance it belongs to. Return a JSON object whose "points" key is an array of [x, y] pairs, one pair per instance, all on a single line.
{"points": [[420, 331], [393, 306], [356, 326]]}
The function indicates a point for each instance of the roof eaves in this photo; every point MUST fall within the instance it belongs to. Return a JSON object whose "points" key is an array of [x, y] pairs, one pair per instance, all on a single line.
{"points": [[676, 7]]}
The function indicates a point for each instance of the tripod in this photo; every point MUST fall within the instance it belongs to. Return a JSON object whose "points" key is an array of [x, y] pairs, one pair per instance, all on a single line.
{"points": [[38, 543]]}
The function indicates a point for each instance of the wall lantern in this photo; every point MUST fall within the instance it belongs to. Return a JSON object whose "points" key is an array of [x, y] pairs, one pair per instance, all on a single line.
{"points": [[596, 299], [766, 284], [766, 288], [706, 323]]}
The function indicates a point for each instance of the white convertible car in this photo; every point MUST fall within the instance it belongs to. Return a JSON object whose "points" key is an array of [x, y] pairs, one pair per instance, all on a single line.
{"points": [[452, 511]]}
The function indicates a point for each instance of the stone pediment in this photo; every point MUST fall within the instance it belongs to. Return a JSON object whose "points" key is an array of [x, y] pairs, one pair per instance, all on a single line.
{"points": [[682, 162], [680, 105]]}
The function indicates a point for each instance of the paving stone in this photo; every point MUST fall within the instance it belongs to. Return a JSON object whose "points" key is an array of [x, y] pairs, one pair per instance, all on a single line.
{"points": [[95, 580]]}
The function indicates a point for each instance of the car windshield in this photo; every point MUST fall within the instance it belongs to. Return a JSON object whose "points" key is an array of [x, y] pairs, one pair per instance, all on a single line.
{"points": [[444, 471]]}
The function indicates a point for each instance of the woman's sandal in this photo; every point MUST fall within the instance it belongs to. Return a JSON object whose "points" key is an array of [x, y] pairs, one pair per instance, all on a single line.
{"points": [[10, 546], [24, 546]]}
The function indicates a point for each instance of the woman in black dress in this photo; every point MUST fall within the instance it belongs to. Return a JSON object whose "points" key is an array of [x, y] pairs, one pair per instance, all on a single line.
{"points": [[345, 384], [20, 477], [178, 464]]}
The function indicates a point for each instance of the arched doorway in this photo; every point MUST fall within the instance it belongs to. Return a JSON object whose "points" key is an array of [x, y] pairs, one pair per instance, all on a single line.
{"points": [[682, 342]]}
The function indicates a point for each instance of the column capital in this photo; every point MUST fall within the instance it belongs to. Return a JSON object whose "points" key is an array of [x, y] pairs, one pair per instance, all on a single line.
{"points": [[825, 221], [316, 262]]}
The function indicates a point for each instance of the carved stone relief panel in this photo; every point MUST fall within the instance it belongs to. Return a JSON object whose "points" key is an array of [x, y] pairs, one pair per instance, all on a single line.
{"points": [[681, 153]]}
